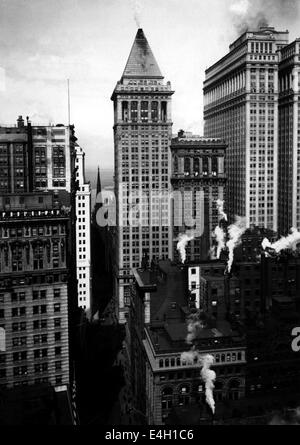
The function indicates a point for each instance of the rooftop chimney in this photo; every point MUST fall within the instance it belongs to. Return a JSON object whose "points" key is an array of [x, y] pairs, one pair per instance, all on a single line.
{"points": [[20, 122]]}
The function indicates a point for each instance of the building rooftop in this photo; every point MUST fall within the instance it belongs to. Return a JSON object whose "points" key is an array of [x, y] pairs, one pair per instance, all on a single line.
{"points": [[141, 62], [169, 310], [186, 137]]}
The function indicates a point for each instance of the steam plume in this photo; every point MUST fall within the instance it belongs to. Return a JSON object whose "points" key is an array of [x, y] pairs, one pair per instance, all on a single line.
{"points": [[288, 242], [208, 376], [194, 324], [183, 239], [220, 206], [136, 6], [252, 14], [235, 232], [220, 237]]}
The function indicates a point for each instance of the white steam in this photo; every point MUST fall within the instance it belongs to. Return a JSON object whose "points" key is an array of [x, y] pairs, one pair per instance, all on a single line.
{"points": [[183, 240], [288, 242], [194, 324], [220, 206], [219, 233], [220, 237], [208, 376], [205, 361], [235, 232], [136, 7]]}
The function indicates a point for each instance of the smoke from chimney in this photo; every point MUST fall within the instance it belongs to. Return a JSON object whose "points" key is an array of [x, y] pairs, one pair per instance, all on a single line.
{"points": [[253, 14], [183, 239], [208, 375], [288, 242], [195, 323], [136, 6], [219, 235], [235, 232], [220, 206]]}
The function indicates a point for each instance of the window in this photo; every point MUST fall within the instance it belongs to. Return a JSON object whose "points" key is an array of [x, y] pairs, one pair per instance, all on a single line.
{"points": [[57, 322], [56, 293]]}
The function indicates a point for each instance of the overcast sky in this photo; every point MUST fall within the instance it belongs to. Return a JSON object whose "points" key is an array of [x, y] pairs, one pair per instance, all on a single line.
{"points": [[44, 42]]}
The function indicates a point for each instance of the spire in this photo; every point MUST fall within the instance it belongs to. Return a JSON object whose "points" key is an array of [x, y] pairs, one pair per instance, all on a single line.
{"points": [[141, 62], [98, 189]]}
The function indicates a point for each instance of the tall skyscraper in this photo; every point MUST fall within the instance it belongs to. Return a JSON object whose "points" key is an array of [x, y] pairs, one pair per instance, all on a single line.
{"points": [[198, 174], [241, 106], [83, 232], [37, 273], [289, 138], [142, 135]]}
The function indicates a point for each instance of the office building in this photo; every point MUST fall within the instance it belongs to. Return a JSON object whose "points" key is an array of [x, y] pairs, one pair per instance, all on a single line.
{"points": [[38, 290], [289, 138], [142, 135], [198, 180], [241, 94]]}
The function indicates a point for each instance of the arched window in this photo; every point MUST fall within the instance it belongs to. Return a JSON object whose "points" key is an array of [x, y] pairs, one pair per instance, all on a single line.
{"points": [[154, 111], [144, 111], [187, 166], [167, 362], [134, 111], [196, 166], [214, 166], [205, 166], [125, 111], [175, 164], [161, 363], [164, 111]]}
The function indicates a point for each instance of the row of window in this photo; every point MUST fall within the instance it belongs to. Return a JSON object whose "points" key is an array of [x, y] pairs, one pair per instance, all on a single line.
{"points": [[21, 311], [219, 358]]}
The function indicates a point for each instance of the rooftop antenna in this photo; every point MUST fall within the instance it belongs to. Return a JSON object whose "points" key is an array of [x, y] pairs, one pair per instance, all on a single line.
{"points": [[69, 108]]}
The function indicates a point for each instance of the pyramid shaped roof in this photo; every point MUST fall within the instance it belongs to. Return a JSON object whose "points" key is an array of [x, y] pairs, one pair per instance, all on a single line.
{"points": [[141, 62]]}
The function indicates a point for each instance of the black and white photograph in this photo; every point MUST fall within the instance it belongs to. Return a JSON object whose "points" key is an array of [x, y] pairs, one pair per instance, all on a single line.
{"points": [[149, 215]]}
